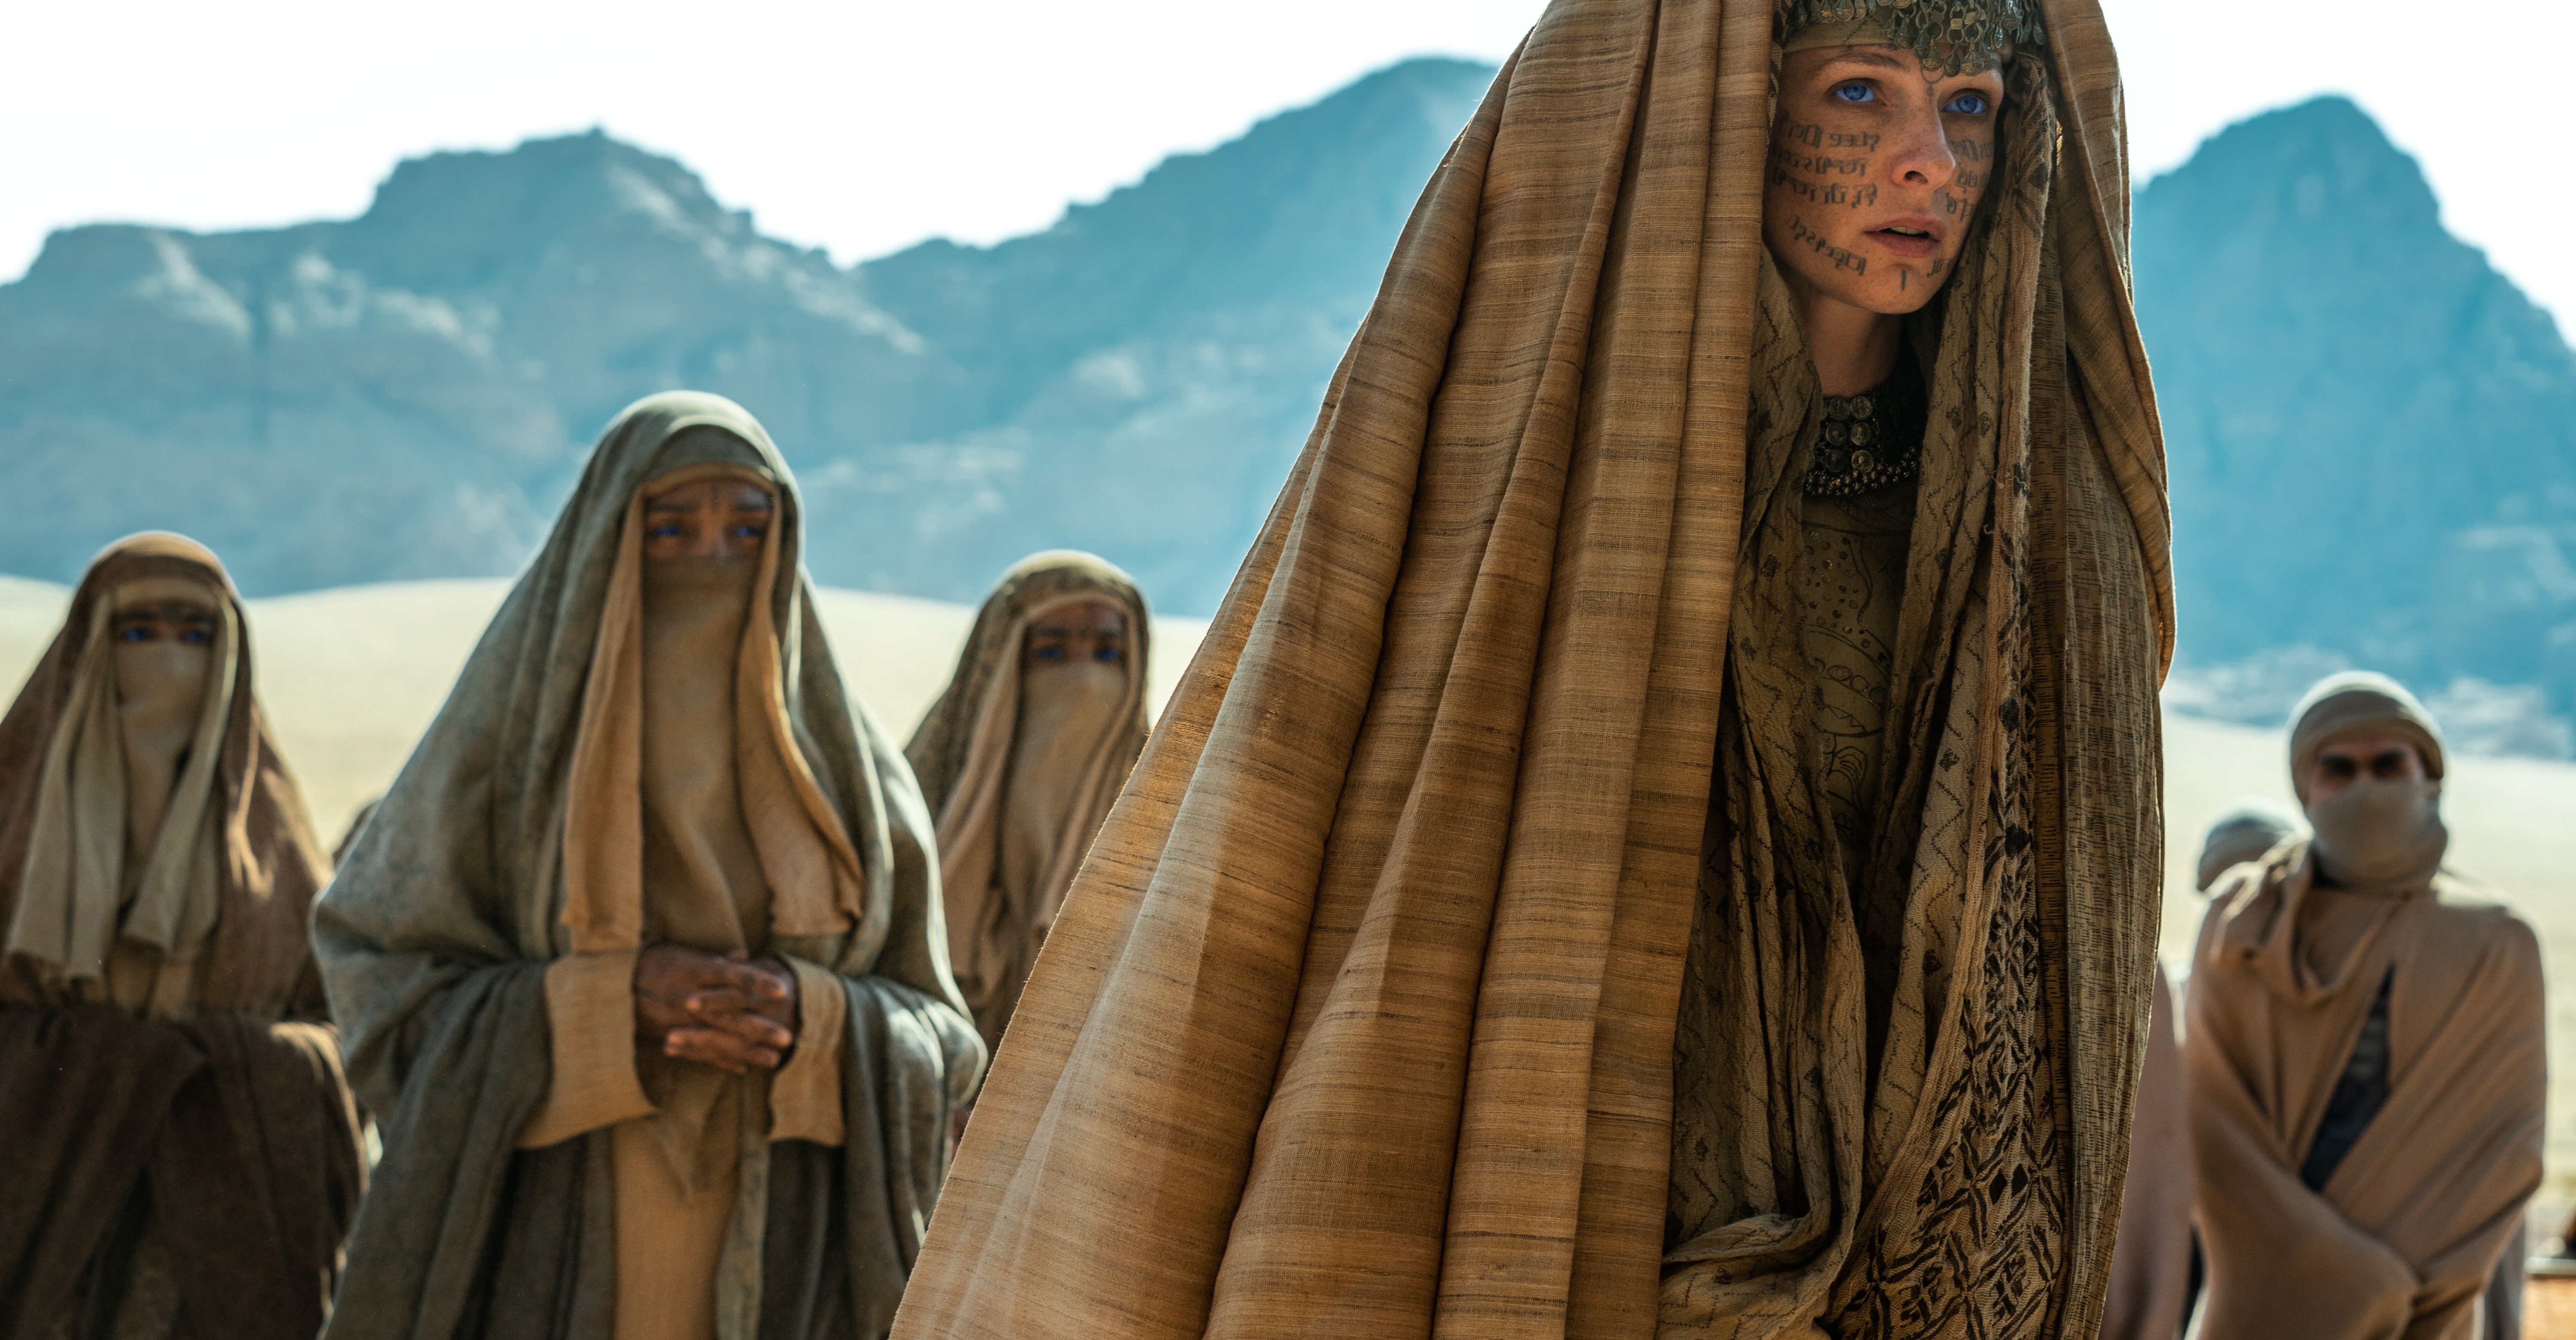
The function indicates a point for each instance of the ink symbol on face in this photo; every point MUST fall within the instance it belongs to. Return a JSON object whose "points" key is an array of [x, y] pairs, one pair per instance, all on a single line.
{"points": [[1877, 165]]}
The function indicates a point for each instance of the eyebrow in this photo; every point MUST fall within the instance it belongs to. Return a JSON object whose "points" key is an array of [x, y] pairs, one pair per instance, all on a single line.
{"points": [[1879, 59]]}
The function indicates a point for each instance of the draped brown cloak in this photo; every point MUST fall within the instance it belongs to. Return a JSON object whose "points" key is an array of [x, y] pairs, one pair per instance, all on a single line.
{"points": [[510, 857], [2404, 1235], [963, 753], [1365, 1016], [190, 1173]]}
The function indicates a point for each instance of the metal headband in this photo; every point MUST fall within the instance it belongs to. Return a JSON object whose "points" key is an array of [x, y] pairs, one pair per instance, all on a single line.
{"points": [[1952, 36]]}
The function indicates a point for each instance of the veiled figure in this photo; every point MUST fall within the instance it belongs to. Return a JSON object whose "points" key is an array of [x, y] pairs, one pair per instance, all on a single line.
{"points": [[1021, 755], [2366, 1052], [641, 956], [1631, 857], [181, 1150]]}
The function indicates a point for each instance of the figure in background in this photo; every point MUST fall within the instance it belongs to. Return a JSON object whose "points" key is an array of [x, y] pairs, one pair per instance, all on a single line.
{"points": [[1663, 834], [2364, 1048], [641, 958], [181, 1152], [2247, 830], [1021, 757], [2156, 1269], [2153, 1267]]}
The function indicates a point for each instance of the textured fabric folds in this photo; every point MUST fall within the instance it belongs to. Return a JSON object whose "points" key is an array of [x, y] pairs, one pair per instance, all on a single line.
{"points": [[998, 793], [182, 1148], [2405, 1233], [1365, 1016], [64, 868], [186, 1178], [2150, 1289], [511, 856]]}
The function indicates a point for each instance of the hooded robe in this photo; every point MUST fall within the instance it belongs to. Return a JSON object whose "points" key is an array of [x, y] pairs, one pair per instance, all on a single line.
{"points": [[1466, 957], [2366, 1064], [643, 752], [1020, 771], [182, 1150]]}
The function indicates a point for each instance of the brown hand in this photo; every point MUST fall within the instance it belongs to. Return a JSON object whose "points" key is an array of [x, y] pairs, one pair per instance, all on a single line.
{"points": [[727, 1011]]}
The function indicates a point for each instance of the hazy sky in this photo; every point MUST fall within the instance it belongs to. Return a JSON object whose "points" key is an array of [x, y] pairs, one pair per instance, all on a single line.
{"points": [[864, 127]]}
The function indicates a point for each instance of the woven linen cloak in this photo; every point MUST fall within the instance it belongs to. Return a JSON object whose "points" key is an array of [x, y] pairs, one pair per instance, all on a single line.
{"points": [[221, 1134], [1362, 1019], [2404, 1236], [436, 935], [962, 755]]}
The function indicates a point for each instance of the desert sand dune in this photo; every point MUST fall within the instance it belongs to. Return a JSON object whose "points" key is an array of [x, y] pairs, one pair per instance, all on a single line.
{"points": [[351, 676]]}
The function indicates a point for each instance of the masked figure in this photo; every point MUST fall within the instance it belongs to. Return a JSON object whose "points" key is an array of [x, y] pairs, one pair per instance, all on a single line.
{"points": [[1662, 836], [2364, 1050], [182, 1153], [1021, 756], [642, 954]]}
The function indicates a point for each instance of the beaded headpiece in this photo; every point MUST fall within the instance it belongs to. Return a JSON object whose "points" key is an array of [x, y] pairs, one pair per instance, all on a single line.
{"points": [[1952, 36]]}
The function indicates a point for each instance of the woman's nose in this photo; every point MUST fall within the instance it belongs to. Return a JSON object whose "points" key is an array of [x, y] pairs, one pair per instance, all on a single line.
{"points": [[1923, 156]]}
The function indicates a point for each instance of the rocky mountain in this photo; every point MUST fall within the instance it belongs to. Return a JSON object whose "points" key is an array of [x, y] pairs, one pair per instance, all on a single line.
{"points": [[2372, 433], [408, 393]]}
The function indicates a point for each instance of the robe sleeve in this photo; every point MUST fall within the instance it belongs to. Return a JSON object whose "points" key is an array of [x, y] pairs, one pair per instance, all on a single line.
{"points": [[590, 1025], [805, 1098]]}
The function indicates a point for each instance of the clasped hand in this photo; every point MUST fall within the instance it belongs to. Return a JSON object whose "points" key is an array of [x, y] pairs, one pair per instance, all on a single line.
{"points": [[729, 1011]]}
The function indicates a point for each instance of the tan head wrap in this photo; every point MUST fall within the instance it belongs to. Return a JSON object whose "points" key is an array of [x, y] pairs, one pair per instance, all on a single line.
{"points": [[1020, 781], [1364, 1017], [2249, 828], [2378, 834], [2358, 700], [153, 849]]}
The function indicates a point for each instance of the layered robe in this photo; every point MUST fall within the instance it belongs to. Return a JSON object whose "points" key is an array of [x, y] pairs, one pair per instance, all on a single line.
{"points": [[637, 753], [1019, 771], [2151, 1269], [182, 1151], [2406, 1230], [1469, 954]]}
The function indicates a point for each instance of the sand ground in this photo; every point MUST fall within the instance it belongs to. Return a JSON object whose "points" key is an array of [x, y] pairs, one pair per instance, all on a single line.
{"points": [[351, 676]]}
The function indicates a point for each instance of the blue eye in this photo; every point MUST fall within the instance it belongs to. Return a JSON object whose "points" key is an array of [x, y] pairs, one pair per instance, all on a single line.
{"points": [[1050, 653], [1856, 93], [1109, 654], [1971, 103], [196, 635], [748, 532], [138, 633]]}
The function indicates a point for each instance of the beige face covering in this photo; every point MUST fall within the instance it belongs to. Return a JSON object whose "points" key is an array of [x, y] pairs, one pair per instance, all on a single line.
{"points": [[702, 876], [123, 882], [703, 882], [1065, 713], [160, 689]]}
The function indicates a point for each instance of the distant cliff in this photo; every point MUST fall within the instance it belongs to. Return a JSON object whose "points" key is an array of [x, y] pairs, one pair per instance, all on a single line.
{"points": [[409, 393], [2372, 433]]}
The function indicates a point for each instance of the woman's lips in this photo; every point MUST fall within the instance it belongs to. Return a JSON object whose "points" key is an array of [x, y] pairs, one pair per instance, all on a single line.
{"points": [[1915, 239]]}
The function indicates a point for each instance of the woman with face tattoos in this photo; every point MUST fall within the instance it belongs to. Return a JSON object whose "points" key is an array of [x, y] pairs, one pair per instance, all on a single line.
{"points": [[181, 1152], [641, 957], [2365, 1052], [1662, 837]]}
